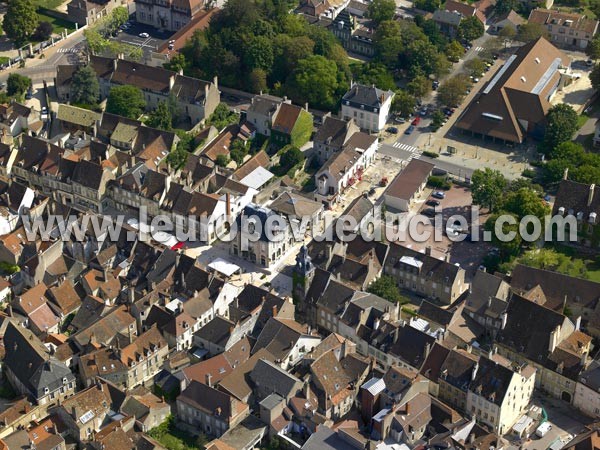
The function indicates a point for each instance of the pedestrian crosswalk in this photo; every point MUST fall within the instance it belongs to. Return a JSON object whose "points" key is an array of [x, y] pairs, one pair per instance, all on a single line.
{"points": [[478, 49], [414, 151], [67, 50]]}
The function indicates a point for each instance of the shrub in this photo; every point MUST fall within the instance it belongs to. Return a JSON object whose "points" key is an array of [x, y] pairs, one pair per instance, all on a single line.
{"points": [[438, 182], [528, 173], [431, 154]]}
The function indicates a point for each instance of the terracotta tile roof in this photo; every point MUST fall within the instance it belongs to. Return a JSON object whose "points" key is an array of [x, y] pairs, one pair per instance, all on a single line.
{"points": [[572, 21], [286, 118], [406, 183], [517, 91], [143, 346]]}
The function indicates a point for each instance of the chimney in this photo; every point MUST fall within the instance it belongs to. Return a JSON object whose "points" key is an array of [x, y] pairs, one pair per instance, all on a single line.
{"points": [[274, 310], [447, 257], [566, 173], [407, 408], [228, 204], [428, 250], [591, 194], [216, 82], [171, 82], [209, 380], [554, 336], [306, 106], [475, 369], [504, 317], [584, 360]]}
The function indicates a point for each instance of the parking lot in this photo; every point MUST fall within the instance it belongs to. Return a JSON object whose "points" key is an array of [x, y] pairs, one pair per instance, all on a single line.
{"points": [[132, 36]]}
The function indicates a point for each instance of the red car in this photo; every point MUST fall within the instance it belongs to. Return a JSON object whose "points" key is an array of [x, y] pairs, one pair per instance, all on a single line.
{"points": [[416, 121]]}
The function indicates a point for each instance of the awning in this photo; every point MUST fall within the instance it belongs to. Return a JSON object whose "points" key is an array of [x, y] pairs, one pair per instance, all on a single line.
{"points": [[225, 267]]}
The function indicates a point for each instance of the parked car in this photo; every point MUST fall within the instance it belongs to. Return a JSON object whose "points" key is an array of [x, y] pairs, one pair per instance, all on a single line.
{"points": [[29, 94], [429, 212], [144, 35], [410, 129], [432, 202], [416, 121], [435, 85], [392, 130], [439, 194], [2, 85], [399, 120], [589, 63]]}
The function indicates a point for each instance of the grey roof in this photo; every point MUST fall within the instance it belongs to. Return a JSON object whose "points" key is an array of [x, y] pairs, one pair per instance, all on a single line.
{"points": [[271, 401], [360, 94], [448, 17], [492, 380], [217, 331], [27, 359], [265, 104], [273, 377], [591, 376], [334, 132], [326, 439]]}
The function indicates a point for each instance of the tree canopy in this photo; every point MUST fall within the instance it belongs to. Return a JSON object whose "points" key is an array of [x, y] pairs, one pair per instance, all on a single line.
{"points": [[127, 101], [530, 32], [85, 88], [561, 125], [385, 287], [381, 10], [470, 29], [20, 20], [487, 186], [17, 84]]}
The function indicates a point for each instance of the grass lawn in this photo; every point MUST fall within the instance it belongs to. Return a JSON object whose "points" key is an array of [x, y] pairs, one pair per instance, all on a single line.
{"points": [[592, 266], [178, 440], [581, 120], [50, 4], [58, 25]]}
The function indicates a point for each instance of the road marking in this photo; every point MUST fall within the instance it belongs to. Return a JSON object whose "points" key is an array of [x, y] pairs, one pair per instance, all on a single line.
{"points": [[414, 151], [67, 50], [478, 49]]}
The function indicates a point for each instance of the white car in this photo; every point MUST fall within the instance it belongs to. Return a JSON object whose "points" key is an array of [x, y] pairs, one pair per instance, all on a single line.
{"points": [[144, 35]]}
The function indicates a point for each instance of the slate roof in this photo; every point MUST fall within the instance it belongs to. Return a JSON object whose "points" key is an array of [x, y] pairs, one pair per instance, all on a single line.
{"points": [[360, 94], [334, 132], [492, 380], [412, 346], [292, 204], [578, 198], [207, 399], [28, 360], [556, 287], [457, 369], [407, 182], [269, 374]]}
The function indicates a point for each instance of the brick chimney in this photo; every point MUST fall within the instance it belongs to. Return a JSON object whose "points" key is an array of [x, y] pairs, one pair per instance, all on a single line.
{"points": [[591, 194]]}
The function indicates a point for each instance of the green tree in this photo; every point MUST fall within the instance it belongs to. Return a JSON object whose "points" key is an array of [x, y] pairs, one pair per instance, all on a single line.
{"points": [[525, 202], [257, 81], [595, 77], [475, 67], [424, 59], [85, 88], [238, 151], [177, 62], [549, 259], [387, 43], [17, 85], [428, 5], [222, 160], [127, 101], [487, 186], [454, 51], [504, 6], [258, 53], [20, 20], [161, 117], [382, 10], [403, 103], [530, 32], [374, 73], [43, 31], [508, 32], [471, 28], [118, 17], [288, 51], [419, 86], [315, 81], [561, 125], [178, 156], [453, 90], [290, 157], [593, 49], [222, 116], [385, 287], [511, 247], [437, 119]]}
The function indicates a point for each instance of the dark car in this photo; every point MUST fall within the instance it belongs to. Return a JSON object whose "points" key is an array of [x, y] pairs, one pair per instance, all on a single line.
{"points": [[432, 202], [410, 129], [392, 130], [435, 85], [429, 212]]}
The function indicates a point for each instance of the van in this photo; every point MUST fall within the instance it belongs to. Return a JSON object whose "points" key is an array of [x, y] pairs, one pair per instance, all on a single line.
{"points": [[543, 429]]}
